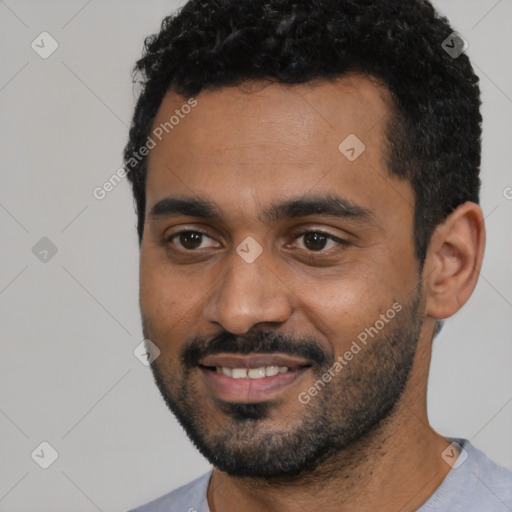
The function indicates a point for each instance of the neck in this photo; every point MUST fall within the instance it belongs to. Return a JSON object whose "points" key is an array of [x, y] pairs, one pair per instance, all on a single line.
{"points": [[385, 474]]}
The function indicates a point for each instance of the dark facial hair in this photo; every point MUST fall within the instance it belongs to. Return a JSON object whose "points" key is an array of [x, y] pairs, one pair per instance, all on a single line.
{"points": [[349, 407]]}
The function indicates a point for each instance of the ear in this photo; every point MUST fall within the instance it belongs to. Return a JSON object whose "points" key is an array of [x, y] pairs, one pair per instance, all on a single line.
{"points": [[453, 261]]}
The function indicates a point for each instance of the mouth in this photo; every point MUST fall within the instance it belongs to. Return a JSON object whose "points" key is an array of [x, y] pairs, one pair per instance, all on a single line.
{"points": [[250, 378]]}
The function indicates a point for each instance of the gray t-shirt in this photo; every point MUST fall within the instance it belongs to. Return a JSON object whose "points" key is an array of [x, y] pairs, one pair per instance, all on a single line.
{"points": [[474, 484]]}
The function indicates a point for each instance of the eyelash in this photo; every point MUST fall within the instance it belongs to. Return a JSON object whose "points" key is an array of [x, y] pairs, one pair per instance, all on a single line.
{"points": [[168, 240], [328, 236], [341, 242]]}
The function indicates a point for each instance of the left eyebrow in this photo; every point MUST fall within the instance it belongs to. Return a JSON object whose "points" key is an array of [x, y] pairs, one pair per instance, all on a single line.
{"points": [[333, 206]]}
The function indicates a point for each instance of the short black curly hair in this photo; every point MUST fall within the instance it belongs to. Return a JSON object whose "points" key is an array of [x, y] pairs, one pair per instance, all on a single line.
{"points": [[434, 137]]}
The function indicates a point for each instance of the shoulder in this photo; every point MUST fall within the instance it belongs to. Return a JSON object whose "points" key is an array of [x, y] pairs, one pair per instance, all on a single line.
{"points": [[496, 478], [188, 498], [475, 483]]}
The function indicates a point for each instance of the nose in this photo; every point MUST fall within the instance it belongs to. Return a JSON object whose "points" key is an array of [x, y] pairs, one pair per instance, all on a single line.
{"points": [[248, 295]]}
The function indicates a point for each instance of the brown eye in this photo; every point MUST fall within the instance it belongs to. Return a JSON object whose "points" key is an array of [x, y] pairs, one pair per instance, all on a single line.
{"points": [[190, 240], [315, 241]]}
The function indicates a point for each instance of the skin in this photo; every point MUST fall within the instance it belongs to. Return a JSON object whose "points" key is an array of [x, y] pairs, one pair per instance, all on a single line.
{"points": [[244, 148]]}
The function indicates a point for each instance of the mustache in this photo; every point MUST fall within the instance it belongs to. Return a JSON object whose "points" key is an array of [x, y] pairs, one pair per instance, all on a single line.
{"points": [[255, 343]]}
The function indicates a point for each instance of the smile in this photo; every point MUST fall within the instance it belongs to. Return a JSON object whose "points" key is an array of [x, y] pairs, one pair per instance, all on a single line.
{"points": [[251, 373], [250, 378]]}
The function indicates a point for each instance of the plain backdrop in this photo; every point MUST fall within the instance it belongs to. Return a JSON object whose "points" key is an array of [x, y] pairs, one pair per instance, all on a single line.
{"points": [[70, 320]]}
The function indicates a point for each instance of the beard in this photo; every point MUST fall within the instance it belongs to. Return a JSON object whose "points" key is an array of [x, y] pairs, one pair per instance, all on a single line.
{"points": [[252, 439]]}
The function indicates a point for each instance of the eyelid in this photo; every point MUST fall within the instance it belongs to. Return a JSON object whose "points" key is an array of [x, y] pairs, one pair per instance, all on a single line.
{"points": [[168, 238], [186, 230], [327, 234], [330, 236]]}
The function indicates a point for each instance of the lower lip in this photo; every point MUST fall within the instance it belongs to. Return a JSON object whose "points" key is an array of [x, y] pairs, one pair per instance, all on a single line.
{"points": [[249, 390]]}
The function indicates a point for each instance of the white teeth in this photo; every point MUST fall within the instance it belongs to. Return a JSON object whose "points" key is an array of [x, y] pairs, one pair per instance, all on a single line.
{"points": [[239, 373], [256, 373], [271, 370], [251, 373]]}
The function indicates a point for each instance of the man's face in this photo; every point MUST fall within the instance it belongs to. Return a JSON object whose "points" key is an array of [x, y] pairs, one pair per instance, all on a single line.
{"points": [[271, 253]]}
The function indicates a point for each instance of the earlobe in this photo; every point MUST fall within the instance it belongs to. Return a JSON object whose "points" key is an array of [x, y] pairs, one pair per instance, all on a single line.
{"points": [[453, 261]]}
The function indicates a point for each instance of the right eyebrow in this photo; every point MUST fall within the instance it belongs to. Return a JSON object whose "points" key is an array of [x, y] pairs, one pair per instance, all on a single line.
{"points": [[192, 207]]}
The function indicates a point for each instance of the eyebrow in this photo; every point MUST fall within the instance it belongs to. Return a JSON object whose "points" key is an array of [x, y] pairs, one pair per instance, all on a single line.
{"points": [[192, 207], [329, 205]]}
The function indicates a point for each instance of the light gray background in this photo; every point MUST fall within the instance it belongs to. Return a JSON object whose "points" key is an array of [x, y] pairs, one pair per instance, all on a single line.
{"points": [[67, 372]]}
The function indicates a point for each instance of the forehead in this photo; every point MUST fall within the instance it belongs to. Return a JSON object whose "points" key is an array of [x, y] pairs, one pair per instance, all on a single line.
{"points": [[260, 142]]}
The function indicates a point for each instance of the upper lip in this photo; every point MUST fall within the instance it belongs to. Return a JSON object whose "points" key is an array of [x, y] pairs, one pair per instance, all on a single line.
{"points": [[253, 361]]}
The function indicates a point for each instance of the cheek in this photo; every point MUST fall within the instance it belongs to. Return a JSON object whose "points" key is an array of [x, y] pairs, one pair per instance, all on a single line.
{"points": [[342, 309], [343, 305], [158, 299], [170, 300]]}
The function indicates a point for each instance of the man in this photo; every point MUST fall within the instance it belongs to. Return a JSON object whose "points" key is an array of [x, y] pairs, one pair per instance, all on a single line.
{"points": [[306, 182]]}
